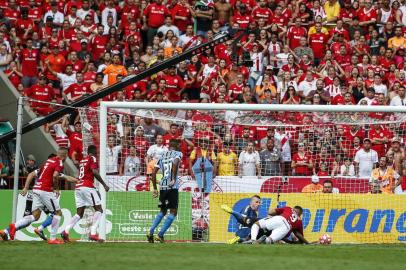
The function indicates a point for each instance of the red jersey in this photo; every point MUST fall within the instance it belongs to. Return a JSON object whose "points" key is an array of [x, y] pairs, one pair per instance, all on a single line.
{"points": [[291, 217], [235, 90], [264, 13], [76, 144], [29, 62], [155, 15], [317, 43], [302, 169], [77, 90], [98, 46], [86, 176], [365, 15], [42, 93], [35, 14], [294, 36], [242, 20], [181, 10], [45, 180], [380, 134], [279, 20], [141, 146], [173, 85]]}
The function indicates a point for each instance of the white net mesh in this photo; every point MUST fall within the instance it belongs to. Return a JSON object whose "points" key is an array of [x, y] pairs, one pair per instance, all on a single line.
{"points": [[321, 161]]}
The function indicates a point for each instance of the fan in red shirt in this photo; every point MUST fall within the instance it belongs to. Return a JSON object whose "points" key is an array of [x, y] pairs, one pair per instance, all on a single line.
{"points": [[11, 12], [34, 12], [302, 162], [282, 222], [379, 136], [174, 85], [75, 142], [25, 24], [155, 14], [29, 58], [317, 43], [339, 29], [76, 63], [181, 15], [236, 88], [242, 17], [262, 11], [42, 92], [76, 90], [367, 15], [141, 145], [295, 33], [86, 195], [98, 43], [279, 18]]}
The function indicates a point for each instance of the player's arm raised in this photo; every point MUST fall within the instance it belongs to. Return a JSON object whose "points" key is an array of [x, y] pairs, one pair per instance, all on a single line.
{"points": [[28, 181], [100, 179]]}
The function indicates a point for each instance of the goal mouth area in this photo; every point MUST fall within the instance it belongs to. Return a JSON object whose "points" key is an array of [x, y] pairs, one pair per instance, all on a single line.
{"points": [[308, 126]]}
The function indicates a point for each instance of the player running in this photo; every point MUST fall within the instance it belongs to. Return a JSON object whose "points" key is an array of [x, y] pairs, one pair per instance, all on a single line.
{"points": [[247, 217], [168, 195], [28, 209], [281, 222], [46, 194], [87, 195]]}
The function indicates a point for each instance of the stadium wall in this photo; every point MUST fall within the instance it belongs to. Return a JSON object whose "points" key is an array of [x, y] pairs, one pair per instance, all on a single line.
{"points": [[348, 218]]}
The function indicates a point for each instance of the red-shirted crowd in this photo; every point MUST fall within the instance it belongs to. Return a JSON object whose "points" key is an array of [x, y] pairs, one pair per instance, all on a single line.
{"points": [[302, 52]]}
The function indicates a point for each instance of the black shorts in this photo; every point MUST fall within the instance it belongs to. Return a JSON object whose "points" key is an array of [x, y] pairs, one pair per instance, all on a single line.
{"points": [[168, 199]]}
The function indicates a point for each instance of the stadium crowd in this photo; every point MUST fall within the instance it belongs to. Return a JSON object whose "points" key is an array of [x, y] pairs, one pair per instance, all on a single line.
{"points": [[302, 52]]}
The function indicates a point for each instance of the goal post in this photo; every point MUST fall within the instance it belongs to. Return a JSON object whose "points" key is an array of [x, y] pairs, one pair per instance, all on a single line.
{"points": [[350, 213]]}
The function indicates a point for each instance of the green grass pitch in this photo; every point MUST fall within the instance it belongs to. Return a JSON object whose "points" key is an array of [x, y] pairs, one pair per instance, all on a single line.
{"points": [[179, 256]]}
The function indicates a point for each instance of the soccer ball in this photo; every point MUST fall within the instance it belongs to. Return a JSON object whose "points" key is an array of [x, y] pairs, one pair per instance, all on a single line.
{"points": [[325, 239]]}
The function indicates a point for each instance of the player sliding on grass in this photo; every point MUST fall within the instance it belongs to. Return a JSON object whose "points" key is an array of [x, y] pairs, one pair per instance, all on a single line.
{"points": [[86, 194], [247, 217], [281, 222], [46, 194], [168, 195]]}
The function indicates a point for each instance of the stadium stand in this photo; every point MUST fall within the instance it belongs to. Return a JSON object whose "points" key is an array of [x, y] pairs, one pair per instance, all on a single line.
{"points": [[302, 52]]}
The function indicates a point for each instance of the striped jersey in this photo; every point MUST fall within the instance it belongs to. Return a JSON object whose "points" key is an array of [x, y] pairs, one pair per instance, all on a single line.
{"points": [[45, 174], [165, 164]]}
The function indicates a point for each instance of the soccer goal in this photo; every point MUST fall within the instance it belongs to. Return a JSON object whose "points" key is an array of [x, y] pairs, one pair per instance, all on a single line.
{"points": [[322, 158]]}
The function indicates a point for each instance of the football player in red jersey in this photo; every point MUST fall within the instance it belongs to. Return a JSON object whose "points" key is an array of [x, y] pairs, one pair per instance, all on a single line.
{"points": [[86, 194], [46, 195], [282, 222]]}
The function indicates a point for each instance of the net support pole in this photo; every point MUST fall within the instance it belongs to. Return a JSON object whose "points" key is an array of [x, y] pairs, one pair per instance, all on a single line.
{"points": [[102, 158], [17, 156]]}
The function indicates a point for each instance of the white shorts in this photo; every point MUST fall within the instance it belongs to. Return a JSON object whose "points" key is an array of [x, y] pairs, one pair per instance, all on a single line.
{"points": [[85, 196], [277, 224], [42, 199]]}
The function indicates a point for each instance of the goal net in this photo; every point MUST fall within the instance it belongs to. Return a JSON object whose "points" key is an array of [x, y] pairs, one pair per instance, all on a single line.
{"points": [[321, 158]]}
